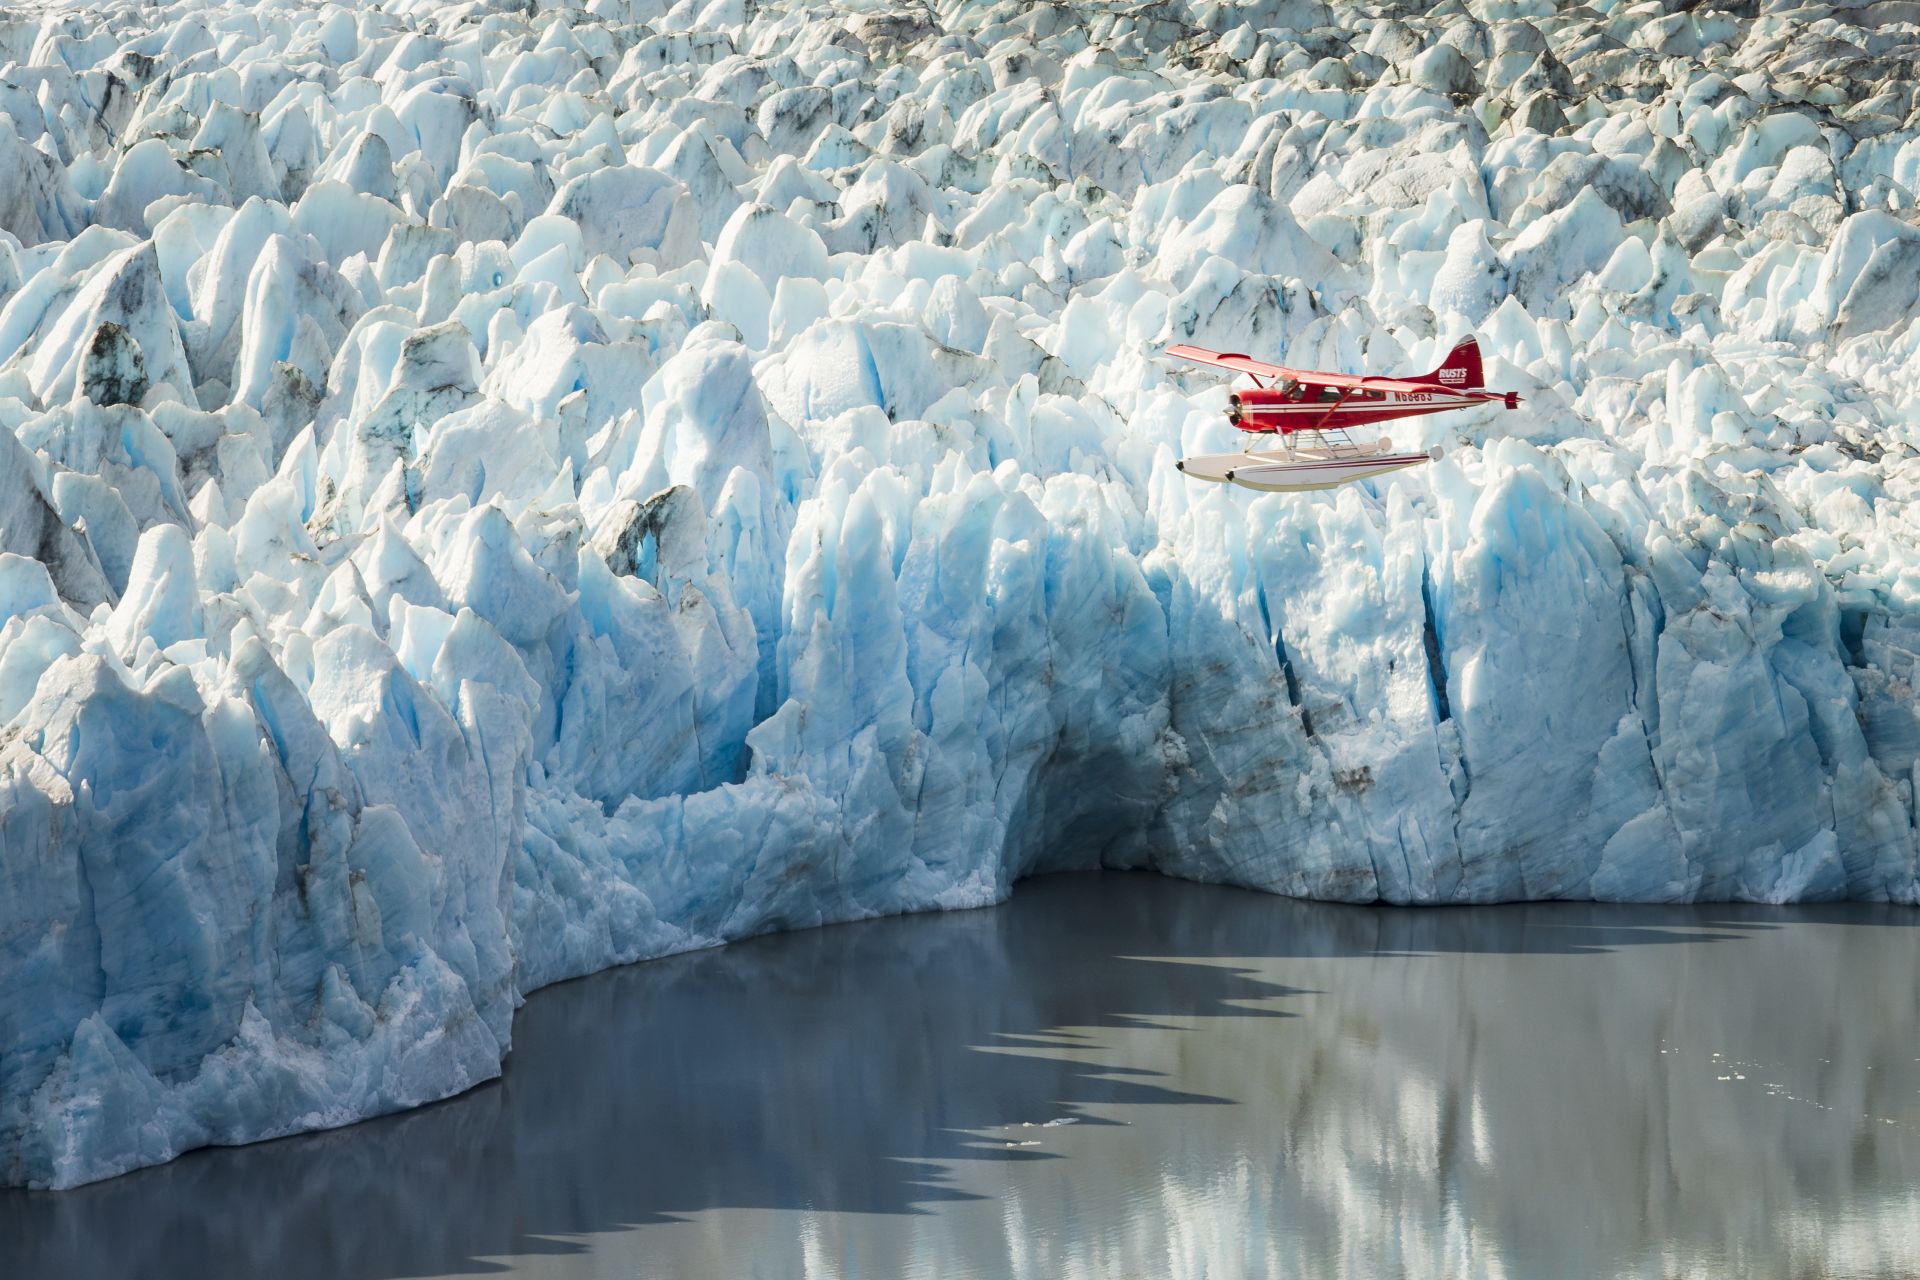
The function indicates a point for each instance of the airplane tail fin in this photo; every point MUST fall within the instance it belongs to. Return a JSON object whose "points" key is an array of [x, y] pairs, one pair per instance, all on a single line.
{"points": [[1460, 371]]}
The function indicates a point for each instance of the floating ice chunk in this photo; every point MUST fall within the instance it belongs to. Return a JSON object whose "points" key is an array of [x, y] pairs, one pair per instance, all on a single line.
{"points": [[25, 588], [437, 112], [234, 135], [30, 526], [30, 644], [554, 271], [632, 214], [1762, 144], [1869, 279], [955, 316], [1254, 232], [828, 371], [771, 245], [544, 234], [712, 172], [735, 294], [1472, 279], [1228, 306], [161, 602], [145, 173], [799, 301], [487, 451], [126, 291], [218, 298], [1094, 253], [345, 221], [704, 418], [295, 314], [37, 203], [1444, 69], [89, 503], [113, 370], [1559, 249], [565, 353]]}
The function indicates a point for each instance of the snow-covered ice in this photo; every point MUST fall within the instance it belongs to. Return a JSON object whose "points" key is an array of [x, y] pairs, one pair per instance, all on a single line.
{"points": [[491, 492]]}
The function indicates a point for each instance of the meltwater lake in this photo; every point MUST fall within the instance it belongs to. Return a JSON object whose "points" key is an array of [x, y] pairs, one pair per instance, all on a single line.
{"points": [[1123, 1075]]}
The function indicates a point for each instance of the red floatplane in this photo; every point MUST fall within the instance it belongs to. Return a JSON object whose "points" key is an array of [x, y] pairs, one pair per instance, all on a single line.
{"points": [[1311, 413]]}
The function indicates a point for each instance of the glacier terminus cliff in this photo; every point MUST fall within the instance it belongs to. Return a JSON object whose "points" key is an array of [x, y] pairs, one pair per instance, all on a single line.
{"points": [[494, 491]]}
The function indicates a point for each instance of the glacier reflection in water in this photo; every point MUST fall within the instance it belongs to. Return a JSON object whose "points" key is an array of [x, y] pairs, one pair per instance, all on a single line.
{"points": [[1254, 1086]]}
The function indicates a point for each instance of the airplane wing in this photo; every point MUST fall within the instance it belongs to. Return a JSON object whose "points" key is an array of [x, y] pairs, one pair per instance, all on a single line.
{"points": [[1229, 360], [1262, 369], [1313, 377]]}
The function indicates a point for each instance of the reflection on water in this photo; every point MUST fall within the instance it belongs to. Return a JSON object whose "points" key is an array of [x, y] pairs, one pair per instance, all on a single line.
{"points": [[1256, 1086]]}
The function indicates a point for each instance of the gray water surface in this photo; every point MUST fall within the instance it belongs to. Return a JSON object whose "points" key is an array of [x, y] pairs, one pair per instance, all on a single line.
{"points": [[1125, 1076]]}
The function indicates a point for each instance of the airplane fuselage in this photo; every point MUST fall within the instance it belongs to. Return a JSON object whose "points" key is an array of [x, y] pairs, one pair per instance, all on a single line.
{"points": [[1325, 410]]}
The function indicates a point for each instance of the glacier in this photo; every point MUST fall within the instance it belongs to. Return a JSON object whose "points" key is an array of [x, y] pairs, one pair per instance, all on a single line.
{"points": [[490, 491]]}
